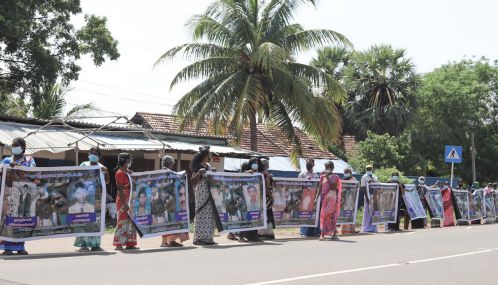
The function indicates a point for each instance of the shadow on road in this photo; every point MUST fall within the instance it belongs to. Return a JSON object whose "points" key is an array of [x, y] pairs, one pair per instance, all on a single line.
{"points": [[241, 244], [56, 255], [154, 250]]}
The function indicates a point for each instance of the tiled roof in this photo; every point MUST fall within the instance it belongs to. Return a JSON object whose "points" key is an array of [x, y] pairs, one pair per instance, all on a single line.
{"points": [[169, 124], [271, 141]]}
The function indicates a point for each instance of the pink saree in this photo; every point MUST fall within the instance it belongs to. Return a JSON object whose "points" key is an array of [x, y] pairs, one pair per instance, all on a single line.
{"points": [[330, 194]]}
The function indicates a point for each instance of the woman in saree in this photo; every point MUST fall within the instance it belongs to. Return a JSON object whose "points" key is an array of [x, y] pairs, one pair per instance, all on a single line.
{"points": [[330, 191]]}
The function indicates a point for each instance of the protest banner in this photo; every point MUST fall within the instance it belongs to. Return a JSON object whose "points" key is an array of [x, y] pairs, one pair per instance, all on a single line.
{"points": [[476, 205], [383, 202], [490, 207], [159, 203], [496, 203], [413, 203], [434, 200], [461, 197], [239, 199], [48, 202], [349, 203], [294, 202]]}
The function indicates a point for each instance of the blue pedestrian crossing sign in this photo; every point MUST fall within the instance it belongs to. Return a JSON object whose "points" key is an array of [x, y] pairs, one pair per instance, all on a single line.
{"points": [[453, 154]]}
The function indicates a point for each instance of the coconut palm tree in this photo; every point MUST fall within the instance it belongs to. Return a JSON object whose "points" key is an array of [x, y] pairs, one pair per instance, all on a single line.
{"points": [[51, 103], [244, 52], [381, 83]]}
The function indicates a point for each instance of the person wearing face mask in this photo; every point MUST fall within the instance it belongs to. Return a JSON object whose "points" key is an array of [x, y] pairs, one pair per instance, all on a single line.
{"points": [[93, 242], [421, 190], [251, 236], [18, 158], [348, 176], [449, 213], [268, 232], [394, 227], [460, 187], [330, 190], [309, 174], [126, 234], [369, 177]]}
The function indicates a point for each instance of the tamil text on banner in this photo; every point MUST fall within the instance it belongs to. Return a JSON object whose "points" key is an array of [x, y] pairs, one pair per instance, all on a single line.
{"points": [[461, 199], [490, 207], [159, 203], [476, 205], [383, 202], [349, 203], [47, 202], [294, 202], [240, 200], [413, 203], [434, 200]]}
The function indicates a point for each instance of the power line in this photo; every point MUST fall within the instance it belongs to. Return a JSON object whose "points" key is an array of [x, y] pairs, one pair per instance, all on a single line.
{"points": [[126, 99], [127, 90]]}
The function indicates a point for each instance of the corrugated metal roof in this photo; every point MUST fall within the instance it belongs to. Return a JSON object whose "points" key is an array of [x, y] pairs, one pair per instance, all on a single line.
{"points": [[284, 164], [60, 139]]}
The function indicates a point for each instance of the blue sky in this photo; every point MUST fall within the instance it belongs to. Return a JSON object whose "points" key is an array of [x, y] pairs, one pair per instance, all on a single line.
{"points": [[433, 33]]}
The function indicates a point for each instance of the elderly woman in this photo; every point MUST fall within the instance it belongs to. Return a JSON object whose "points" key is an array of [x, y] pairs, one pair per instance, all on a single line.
{"points": [[348, 176], [330, 195], [126, 234], [18, 158], [92, 243], [170, 240], [205, 217]]}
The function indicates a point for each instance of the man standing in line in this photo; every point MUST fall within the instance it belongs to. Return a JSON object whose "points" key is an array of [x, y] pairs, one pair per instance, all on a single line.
{"points": [[369, 177], [309, 174]]}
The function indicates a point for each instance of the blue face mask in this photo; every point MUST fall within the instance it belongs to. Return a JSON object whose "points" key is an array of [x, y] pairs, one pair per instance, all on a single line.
{"points": [[93, 158], [395, 178], [347, 175], [17, 150], [254, 166], [369, 172]]}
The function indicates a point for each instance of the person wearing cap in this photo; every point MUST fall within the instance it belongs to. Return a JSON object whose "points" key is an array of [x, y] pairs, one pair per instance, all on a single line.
{"points": [[348, 176], [394, 227], [310, 174], [449, 213], [369, 177], [421, 190]]}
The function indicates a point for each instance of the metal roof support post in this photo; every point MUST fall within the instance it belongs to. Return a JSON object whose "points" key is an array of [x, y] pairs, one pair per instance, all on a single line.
{"points": [[178, 161], [77, 152]]}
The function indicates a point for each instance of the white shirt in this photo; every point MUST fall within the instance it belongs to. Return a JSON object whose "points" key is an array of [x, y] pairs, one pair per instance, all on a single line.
{"points": [[367, 178], [309, 175]]}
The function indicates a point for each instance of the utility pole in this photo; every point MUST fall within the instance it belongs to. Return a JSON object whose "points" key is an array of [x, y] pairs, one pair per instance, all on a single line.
{"points": [[473, 152]]}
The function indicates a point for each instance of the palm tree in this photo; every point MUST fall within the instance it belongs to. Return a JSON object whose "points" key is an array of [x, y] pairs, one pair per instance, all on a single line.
{"points": [[332, 60], [381, 83], [51, 103], [244, 52]]}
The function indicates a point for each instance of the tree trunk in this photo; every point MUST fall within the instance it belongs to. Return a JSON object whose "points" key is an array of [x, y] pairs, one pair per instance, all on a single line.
{"points": [[254, 132]]}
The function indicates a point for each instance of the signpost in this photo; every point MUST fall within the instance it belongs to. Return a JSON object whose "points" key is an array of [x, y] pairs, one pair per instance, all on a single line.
{"points": [[452, 154]]}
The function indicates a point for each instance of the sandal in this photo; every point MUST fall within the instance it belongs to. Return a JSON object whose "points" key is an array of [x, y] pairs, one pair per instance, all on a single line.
{"points": [[84, 249], [321, 238], [165, 245], [22, 252], [231, 236], [118, 248], [96, 249], [131, 248], [8, 252], [175, 244], [334, 237]]}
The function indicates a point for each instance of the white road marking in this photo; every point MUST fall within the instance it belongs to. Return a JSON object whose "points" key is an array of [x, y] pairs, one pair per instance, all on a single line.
{"points": [[369, 268]]}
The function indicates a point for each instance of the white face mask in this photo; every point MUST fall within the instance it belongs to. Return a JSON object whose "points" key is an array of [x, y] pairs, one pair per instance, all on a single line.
{"points": [[421, 181], [347, 175], [254, 166], [129, 164], [17, 150]]}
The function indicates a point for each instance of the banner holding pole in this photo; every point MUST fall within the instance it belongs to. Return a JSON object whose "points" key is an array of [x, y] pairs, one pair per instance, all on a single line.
{"points": [[159, 203], [349, 203], [240, 200], [48, 202], [383, 202]]}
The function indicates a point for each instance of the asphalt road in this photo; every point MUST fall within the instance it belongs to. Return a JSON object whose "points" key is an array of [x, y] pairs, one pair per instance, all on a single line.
{"points": [[458, 255]]}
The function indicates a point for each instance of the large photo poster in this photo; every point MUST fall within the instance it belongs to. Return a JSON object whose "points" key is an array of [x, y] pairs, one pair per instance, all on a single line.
{"points": [[383, 202], [476, 205], [413, 203], [349, 203], [434, 200], [489, 207], [159, 203], [293, 202], [462, 203], [47, 202], [240, 200], [496, 202]]}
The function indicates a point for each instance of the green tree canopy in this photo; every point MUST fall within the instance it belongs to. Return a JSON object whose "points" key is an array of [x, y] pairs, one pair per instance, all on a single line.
{"points": [[455, 100], [39, 45], [381, 83], [244, 52]]}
